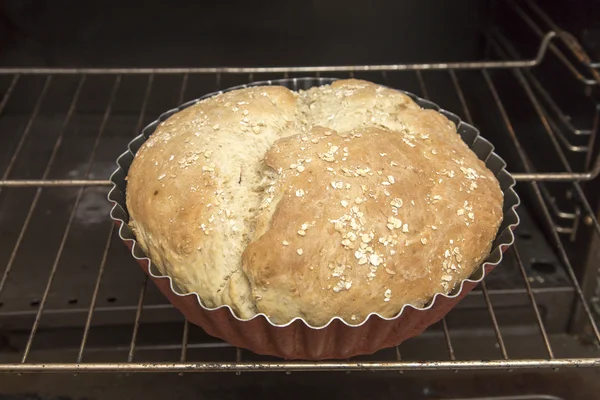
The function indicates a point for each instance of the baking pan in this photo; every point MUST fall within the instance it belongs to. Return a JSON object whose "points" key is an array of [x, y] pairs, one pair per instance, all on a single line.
{"points": [[337, 339]]}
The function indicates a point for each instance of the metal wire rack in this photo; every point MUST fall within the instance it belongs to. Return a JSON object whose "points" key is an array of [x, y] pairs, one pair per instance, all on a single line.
{"points": [[489, 77]]}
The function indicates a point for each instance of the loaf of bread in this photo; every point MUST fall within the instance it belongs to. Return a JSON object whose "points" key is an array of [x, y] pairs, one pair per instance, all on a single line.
{"points": [[339, 201]]}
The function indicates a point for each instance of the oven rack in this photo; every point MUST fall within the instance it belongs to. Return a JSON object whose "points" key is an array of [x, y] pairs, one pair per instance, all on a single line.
{"points": [[521, 73]]}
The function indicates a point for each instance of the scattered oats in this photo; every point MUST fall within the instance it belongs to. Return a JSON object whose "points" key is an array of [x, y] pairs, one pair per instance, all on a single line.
{"points": [[387, 294], [392, 252], [161, 177], [363, 260], [299, 251], [389, 271], [338, 270], [375, 259], [471, 215], [344, 203], [300, 168], [405, 228], [216, 127], [386, 192], [339, 185], [353, 317], [346, 243], [396, 202], [365, 238], [424, 240], [447, 278], [329, 169], [434, 227], [333, 149], [412, 202], [383, 154], [394, 222], [460, 212], [434, 151], [408, 142], [285, 243], [363, 171], [301, 232], [172, 157], [245, 112], [299, 193], [393, 164], [391, 179]]}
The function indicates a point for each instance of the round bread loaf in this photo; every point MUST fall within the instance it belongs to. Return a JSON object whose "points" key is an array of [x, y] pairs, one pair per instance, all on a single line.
{"points": [[338, 201]]}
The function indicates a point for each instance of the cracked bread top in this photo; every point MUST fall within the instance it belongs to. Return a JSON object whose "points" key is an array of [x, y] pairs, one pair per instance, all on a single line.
{"points": [[338, 201]]}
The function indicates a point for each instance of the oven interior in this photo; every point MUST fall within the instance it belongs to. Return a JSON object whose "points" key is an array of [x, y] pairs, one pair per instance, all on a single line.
{"points": [[79, 80]]}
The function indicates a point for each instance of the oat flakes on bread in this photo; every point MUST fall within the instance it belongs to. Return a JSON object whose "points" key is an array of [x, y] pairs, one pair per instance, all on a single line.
{"points": [[339, 201]]}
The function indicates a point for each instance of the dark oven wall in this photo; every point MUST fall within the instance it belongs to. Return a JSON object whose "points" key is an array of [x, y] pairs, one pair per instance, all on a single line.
{"points": [[250, 33]]}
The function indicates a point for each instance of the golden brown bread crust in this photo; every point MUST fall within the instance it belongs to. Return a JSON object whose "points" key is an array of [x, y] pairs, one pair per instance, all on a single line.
{"points": [[346, 200]]}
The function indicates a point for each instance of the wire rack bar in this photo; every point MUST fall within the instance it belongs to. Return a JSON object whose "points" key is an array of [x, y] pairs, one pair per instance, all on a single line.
{"points": [[448, 339], [565, 37], [545, 42], [300, 366], [536, 310], [25, 183], [186, 324], [490, 308], [8, 92], [184, 341], [138, 315], [94, 299]]}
